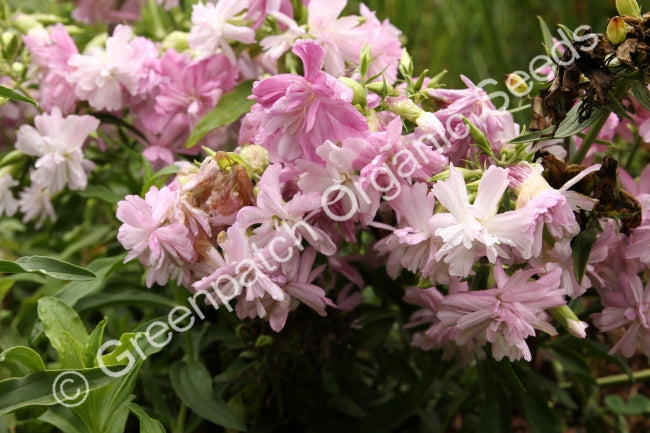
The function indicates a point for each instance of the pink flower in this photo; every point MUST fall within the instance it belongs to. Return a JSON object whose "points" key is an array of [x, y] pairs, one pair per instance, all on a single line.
{"points": [[212, 30], [276, 45], [299, 114], [106, 11], [404, 157], [190, 88], [267, 282], [342, 38], [628, 307], [473, 230], [168, 4], [506, 315], [561, 257], [385, 47], [36, 202], [413, 245], [101, 78], [298, 275], [259, 9], [336, 185], [58, 142], [474, 104], [8, 204], [272, 215], [151, 231], [51, 52], [437, 335]]}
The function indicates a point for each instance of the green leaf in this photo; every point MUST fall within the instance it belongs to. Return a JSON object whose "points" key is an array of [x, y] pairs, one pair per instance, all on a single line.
{"points": [[94, 343], [571, 125], [64, 419], [64, 329], [641, 93], [231, 107], [636, 405], [147, 424], [10, 267], [125, 296], [23, 355], [103, 267], [193, 384], [6, 92], [58, 316], [581, 246], [55, 268], [479, 137], [496, 412], [101, 192], [532, 136], [539, 415], [547, 37], [36, 388]]}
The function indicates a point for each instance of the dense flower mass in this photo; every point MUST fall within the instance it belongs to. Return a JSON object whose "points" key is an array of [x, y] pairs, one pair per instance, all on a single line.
{"points": [[290, 154]]}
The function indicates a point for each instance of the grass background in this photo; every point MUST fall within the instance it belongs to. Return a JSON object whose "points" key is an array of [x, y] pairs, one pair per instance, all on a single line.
{"points": [[483, 38]]}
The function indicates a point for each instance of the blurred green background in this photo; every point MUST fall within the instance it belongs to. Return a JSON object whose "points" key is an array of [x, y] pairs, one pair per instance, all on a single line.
{"points": [[484, 38]]}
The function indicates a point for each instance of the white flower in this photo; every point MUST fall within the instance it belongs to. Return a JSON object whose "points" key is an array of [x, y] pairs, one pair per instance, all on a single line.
{"points": [[8, 204], [475, 230], [100, 77], [58, 141], [212, 32], [35, 202]]}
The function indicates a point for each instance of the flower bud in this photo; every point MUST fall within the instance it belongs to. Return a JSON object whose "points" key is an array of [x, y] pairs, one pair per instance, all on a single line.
{"points": [[616, 30], [517, 85], [569, 320], [382, 89], [24, 23], [256, 157], [405, 108], [175, 40], [359, 92], [628, 7], [527, 181], [10, 44]]}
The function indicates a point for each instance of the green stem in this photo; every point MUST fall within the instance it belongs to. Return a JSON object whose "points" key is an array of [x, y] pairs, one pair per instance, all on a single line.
{"points": [[635, 148], [180, 421], [622, 379], [589, 139]]}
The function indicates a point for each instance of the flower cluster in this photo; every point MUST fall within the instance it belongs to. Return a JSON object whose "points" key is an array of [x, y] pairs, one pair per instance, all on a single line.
{"points": [[344, 162]]}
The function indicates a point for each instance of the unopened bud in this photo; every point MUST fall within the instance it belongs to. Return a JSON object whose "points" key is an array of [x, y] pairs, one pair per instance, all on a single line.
{"points": [[359, 92], [10, 44], [176, 40], [569, 320], [18, 68], [517, 85], [405, 108], [628, 7], [24, 23], [382, 89], [256, 157], [616, 30]]}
